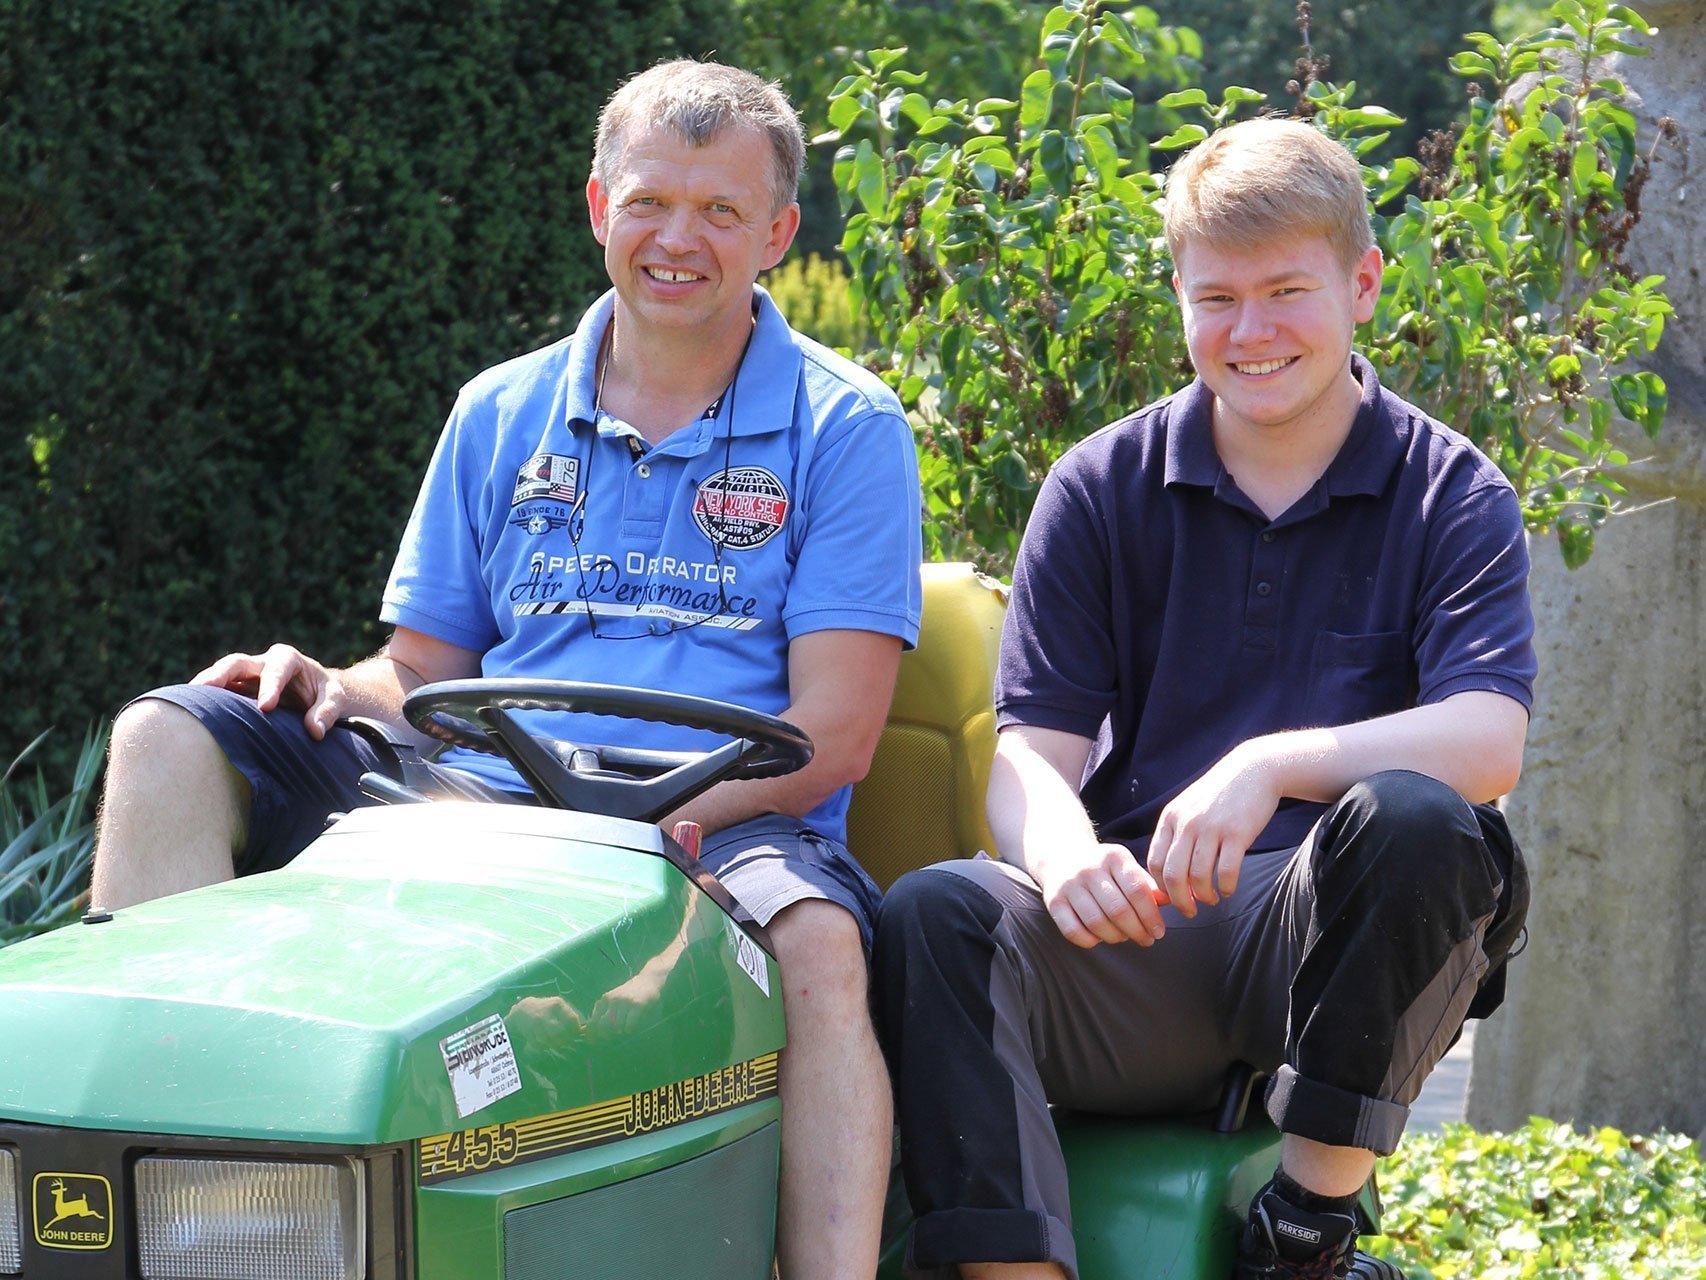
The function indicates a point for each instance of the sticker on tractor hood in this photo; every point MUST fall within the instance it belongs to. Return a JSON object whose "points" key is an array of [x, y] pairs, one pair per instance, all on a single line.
{"points": [[749, 957], [481, 1064], [497, 1146]]}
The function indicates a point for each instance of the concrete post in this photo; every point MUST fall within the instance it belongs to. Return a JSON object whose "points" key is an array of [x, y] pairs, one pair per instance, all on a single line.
{"points": [[1606, 1018]]}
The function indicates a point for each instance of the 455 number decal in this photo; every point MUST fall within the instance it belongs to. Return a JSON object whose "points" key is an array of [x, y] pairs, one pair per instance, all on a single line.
{"points": [[475, 1150], [495, 1146]]}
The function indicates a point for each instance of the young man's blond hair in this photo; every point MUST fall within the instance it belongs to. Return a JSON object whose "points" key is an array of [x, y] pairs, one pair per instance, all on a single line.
{"points": [[1261, 180]]}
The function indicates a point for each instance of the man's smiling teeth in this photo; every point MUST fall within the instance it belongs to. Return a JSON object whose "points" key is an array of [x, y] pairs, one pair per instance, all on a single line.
{"points": [[1266, 366], [672, 277]]}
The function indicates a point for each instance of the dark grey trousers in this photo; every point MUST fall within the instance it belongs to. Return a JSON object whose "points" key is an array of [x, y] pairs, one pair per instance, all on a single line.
{"points": [[1344, 967]]}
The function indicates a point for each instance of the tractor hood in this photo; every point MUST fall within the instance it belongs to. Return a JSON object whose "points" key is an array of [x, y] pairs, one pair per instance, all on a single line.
{"points": [[420, 969]]}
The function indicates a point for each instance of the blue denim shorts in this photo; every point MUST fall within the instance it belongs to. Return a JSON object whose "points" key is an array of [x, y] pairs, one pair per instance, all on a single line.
{"points": [[773, 861], [296, 783]]}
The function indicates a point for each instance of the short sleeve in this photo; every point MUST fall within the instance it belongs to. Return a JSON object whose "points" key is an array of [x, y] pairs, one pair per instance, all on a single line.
{"points": [[1474, 625], [1058, 667], [437, 585], [857, 562]]}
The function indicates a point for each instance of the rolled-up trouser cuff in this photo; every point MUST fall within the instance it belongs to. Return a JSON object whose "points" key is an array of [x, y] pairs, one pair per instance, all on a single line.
{"points": [[990, 1235], [1336, 1117]]}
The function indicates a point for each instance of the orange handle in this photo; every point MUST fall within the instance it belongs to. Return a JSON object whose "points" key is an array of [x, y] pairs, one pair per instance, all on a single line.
{"points": [[688, 835]]}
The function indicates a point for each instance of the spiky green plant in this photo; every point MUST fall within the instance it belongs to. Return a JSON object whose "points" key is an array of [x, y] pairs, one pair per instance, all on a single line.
{"points": [[46, 843]]}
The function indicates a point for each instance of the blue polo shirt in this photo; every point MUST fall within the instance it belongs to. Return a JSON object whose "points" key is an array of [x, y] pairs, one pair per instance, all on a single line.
{"points": [[561, 547], [1156, 610]]}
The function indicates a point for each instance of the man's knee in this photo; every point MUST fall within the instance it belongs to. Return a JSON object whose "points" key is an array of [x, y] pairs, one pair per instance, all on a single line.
{"points": [[821, 953], [937, 941], [174, 811], [159, 740], [1410, 838], [1408, 803], [930, 905]]}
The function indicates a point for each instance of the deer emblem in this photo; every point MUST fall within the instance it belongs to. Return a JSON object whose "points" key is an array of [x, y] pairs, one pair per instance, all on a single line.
{"points": [[76, 1207]]}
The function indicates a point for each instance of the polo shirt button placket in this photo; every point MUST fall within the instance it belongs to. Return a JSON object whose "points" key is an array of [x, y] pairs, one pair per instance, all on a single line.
{"points": [[1260, 607]]}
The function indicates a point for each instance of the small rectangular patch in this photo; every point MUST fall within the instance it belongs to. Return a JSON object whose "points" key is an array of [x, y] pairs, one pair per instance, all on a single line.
{"points": [[750, 957], [481, 1065]]}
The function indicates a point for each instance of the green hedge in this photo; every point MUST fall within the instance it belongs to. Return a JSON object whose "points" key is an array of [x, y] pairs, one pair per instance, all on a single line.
{"points": [[1546, 1202], [252, 248]]}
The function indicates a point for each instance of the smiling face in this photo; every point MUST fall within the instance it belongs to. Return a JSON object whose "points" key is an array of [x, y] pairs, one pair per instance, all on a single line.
{"points": [[1270, 329], [686, 231]]}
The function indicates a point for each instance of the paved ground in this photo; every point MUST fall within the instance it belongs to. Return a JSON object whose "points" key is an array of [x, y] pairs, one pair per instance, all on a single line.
{"points": [[1446, 1091]]}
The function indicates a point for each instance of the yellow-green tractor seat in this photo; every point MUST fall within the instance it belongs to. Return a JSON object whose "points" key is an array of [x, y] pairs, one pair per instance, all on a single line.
{"points": [[922, 801]]}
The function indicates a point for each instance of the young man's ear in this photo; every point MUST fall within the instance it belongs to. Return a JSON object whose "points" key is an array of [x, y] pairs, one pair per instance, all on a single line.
{"points": [[1366, 281]]}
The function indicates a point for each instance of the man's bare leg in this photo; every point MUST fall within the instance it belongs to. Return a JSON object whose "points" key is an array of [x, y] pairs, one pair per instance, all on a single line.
{"points": [[837, 1112], [174, 811], [1010, 1271], [1325, 1170]]}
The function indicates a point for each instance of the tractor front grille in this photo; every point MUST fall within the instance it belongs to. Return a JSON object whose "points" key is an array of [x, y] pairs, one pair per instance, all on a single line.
{"points": [[711, 1218]]}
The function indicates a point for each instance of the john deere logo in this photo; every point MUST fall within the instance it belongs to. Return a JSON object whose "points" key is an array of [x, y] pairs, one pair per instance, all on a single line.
{"points": [[73, 1211]]}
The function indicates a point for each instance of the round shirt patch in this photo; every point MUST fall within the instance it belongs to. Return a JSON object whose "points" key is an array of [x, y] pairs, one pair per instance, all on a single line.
{"points": [[741, 509]]}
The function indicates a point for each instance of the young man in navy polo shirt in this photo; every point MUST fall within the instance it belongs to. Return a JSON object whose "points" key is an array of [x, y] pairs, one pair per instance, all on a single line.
{"points": [[1267, 664], [685, 495]]}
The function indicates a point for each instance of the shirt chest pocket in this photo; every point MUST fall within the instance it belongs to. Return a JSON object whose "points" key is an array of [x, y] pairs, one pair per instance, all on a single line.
{"points": [[1359, 677]]}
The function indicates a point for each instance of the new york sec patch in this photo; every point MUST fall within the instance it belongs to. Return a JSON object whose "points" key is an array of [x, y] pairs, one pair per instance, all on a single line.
{"points": [[741, 509]]}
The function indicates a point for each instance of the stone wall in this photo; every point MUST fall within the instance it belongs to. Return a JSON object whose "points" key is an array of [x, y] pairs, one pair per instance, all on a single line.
{"points": [[1606, 1019]]}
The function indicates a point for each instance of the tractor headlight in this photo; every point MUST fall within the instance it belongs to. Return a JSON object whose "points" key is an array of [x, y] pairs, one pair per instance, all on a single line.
{"points": [[261, 1219], [11, 1241]]}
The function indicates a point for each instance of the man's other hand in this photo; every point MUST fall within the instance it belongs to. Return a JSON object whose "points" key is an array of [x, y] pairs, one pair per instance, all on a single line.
{"points": [[1203, 835], [282, 676], [1100, 894]]}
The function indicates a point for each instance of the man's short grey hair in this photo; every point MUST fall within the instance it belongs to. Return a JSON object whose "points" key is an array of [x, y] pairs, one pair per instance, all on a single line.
{"points": [[697, 101]]}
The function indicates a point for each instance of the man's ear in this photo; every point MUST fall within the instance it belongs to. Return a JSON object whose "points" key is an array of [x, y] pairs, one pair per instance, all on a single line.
{"points": [[1366, 282], [597, 207], [783, 228]]}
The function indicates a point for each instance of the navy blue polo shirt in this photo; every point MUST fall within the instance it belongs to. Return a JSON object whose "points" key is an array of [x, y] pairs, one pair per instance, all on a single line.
{"points": [[1156, 610]]}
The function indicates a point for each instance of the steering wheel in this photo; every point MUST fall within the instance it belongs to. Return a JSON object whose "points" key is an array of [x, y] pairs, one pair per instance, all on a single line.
{"points": [[476, 714]]}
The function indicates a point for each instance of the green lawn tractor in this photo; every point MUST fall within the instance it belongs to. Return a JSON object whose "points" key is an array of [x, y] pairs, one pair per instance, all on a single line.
{"points": [[455, 1041]]}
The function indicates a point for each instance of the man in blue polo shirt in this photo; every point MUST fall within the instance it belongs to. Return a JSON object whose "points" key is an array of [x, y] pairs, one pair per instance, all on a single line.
{"points": [[1267, 663], [683, 495]]}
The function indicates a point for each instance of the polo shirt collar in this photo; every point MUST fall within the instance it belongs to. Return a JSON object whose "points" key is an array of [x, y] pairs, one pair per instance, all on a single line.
{"points": [[582, 373], [769, 377], [1375, 445], [1363, 464], [764, 386], [1191, 458]]}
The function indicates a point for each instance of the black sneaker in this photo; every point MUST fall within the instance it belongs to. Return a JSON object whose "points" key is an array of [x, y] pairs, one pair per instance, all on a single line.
{"points": [[1283, 1242]]}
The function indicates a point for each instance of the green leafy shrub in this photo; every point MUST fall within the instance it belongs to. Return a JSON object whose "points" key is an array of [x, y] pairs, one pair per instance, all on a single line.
{"points": [[1005, 253], [806, 43], [971, 47], [1509, 306], [1399, 47], [1008, 256], [46, 843], [1544, 1203], [251, 251], [813, 293]]}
